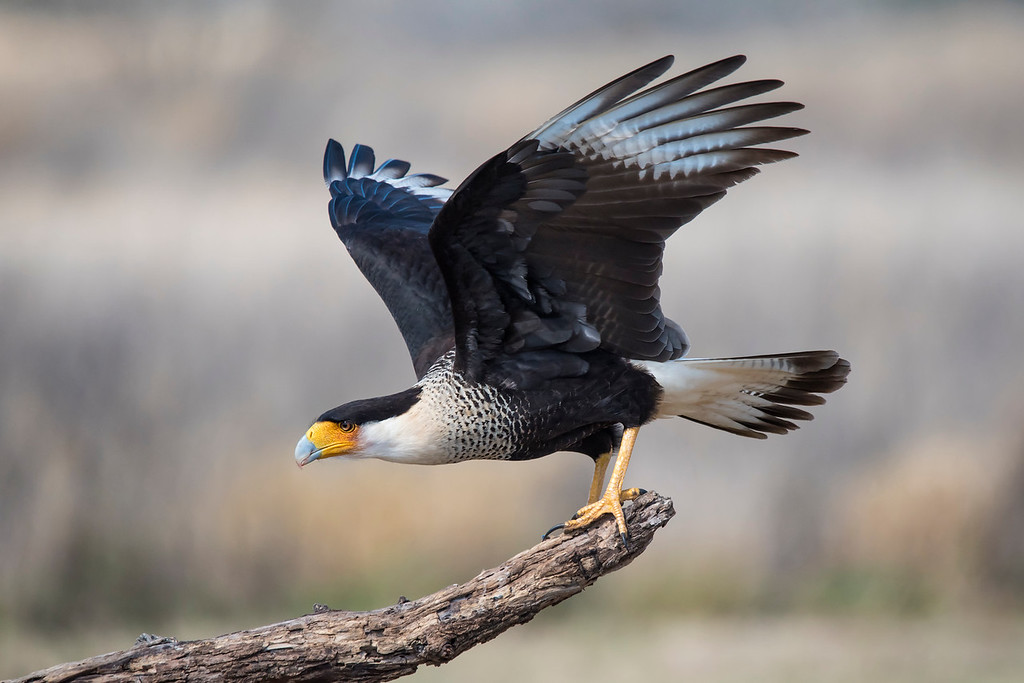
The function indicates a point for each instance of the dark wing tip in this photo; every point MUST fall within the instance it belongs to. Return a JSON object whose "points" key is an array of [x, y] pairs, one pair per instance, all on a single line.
{"points": [[650, 71], [362, 195], [728, 65], [363, 161], [334, 162], [662, 64], [392, 169]]}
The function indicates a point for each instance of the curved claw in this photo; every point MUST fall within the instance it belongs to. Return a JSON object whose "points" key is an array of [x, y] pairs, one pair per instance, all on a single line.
{"points": [[554, 528]]}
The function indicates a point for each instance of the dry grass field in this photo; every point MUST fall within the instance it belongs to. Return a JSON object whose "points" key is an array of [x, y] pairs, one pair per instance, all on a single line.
{"points": [[174, 309]]}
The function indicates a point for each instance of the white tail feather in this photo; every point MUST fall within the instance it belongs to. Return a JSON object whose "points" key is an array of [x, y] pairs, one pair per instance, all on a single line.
{"points": [[747, 396]]}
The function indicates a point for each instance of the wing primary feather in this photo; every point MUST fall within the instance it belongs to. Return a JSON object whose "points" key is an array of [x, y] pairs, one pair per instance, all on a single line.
{"points": [[362, 161], [392, 169], [600, 99], [334, 162]]}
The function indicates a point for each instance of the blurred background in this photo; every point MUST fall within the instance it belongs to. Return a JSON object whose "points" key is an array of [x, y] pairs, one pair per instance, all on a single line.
{"points": [[175, 309]]}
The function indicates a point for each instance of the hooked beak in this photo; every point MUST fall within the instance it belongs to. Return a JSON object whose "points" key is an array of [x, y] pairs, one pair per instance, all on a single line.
{"points": [[325, 439], [306, 452]]}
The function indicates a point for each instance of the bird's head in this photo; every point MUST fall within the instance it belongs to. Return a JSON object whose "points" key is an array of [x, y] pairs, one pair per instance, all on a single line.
{"points": [[326, 439], [366, 428]]}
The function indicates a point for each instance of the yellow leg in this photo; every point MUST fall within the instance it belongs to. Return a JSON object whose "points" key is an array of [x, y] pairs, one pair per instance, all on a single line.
{"points": [[611, 501], [600, 467]]}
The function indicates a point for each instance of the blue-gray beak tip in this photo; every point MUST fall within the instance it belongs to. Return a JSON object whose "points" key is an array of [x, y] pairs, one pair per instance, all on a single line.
{"points": [[305, 452]]}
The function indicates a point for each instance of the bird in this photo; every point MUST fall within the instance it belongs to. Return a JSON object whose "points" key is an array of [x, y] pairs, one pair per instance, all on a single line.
{"points": [[528, 296]]}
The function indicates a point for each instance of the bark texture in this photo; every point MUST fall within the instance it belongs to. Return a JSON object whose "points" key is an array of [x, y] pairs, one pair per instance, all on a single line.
{"points": [[387, 643]]}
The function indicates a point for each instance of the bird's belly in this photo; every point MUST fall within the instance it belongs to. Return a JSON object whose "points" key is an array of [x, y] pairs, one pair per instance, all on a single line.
{"points": [[479, 421]]}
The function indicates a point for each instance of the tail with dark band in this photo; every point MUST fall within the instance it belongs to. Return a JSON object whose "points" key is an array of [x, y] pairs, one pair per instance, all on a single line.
{"points": [[749, 396]]}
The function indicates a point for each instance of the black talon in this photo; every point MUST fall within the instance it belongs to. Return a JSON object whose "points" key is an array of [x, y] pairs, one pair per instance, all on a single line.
{"points": [[554, 528], [625, 539]]}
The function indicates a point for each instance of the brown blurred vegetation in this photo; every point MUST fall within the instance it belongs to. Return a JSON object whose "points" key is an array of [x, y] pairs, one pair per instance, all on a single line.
{"points": [[174, 309]]}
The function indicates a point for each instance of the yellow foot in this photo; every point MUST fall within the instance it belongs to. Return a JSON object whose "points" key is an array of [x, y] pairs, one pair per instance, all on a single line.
{"points": [[614, 496], [609, 503]]}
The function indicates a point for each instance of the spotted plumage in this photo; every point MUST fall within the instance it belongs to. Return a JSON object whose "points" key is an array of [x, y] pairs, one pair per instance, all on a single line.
{"points": [[473, 421], [528, 296]]}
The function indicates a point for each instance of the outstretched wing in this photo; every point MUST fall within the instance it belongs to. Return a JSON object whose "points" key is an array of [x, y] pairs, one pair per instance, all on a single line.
{"points": [[554, 247], [383, 216]]}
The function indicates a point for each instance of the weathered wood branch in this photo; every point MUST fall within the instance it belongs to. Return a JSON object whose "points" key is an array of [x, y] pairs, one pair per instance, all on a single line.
{"points": [[391, 642]]}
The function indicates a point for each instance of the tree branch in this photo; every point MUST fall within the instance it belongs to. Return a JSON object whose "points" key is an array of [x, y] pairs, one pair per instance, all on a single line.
{"points": [[390, 642]]}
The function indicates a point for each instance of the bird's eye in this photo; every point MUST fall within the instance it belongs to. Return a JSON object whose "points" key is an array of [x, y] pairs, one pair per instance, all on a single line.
{"points": [[346, 426]]}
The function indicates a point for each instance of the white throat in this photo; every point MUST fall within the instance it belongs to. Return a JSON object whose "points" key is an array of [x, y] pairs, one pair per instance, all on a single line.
{"points": [[413, 437]]}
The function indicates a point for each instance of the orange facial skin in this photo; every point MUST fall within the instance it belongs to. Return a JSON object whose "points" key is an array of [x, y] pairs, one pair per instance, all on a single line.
{"points": [[326, 440]]}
